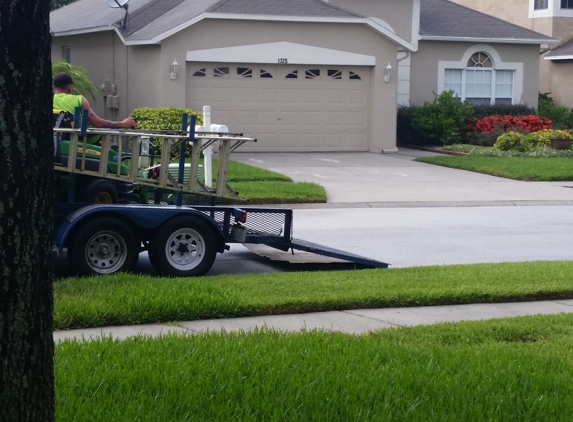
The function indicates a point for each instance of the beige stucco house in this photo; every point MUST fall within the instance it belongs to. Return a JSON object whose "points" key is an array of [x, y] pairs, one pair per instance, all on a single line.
{"points": [[303, 75], [553, 18]]}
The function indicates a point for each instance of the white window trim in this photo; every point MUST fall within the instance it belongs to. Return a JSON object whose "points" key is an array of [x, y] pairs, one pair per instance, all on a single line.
{"points": [[497, 65], [553, 10]]}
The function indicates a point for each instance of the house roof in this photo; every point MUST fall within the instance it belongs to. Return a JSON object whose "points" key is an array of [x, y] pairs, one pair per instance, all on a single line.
{"points": [[443, 20], [562, 52], [148, 19], [156, 19], [151, 21]]}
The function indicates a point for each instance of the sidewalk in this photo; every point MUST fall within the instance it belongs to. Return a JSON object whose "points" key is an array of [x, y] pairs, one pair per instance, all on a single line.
{"points": [[357, 321]]}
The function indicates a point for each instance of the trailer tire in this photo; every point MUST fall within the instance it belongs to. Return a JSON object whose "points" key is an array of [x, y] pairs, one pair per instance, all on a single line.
{"points": [[104, 246], [183, 247], [98, 191]]}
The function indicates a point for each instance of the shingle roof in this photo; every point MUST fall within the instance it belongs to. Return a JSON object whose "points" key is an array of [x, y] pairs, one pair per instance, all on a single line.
{"points": [[564, 50], [317, 8], [90, 14], [162, 16], [444, 19], [150, 18]]}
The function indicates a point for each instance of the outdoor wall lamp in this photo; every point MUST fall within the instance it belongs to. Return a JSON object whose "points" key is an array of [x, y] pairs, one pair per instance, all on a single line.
{"points": [[174, 69], [388, 73]]}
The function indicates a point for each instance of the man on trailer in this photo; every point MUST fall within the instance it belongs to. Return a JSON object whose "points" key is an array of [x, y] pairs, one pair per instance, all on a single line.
{"points": [[66, 102]]}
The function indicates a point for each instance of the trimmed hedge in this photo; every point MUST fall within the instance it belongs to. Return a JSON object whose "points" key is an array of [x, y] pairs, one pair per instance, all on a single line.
{"points": [[163, 118]]}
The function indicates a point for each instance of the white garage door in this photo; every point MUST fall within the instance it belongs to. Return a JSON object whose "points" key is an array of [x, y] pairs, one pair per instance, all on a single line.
{"points": [[286, 107]]}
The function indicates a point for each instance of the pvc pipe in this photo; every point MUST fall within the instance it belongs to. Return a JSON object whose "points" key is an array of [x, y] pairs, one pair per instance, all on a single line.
{"points": [[207, 152]]}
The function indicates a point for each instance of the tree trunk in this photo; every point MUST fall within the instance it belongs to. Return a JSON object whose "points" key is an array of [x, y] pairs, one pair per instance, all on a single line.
{"points": [[26, 213]]}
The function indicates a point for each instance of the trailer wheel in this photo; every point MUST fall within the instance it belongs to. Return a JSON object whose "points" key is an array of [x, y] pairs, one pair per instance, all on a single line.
{"points": [[104, 246], [183, 247], [98, 191]]}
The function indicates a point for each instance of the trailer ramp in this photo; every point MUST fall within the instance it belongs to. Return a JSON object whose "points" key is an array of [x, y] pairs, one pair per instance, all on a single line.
{"points": [[270, 229], [315, 248]]}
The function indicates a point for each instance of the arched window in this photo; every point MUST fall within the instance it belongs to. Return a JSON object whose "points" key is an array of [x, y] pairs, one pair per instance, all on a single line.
{"points": [[479, 80]]}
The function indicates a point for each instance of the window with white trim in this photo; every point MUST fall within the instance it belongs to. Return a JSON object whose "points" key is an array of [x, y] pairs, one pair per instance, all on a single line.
{"points": [[479, 82], [550, 9]]}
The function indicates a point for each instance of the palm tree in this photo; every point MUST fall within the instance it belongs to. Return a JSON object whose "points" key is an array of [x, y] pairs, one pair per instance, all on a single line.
{"points": [[82, 84]]}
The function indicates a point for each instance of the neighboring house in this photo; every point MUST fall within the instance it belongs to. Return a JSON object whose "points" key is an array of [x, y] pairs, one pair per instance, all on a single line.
{"points": [[303, 75], [553, 18]]}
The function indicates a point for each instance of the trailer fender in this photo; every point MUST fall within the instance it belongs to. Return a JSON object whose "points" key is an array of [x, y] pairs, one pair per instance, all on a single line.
{"points": [[143, 218]]}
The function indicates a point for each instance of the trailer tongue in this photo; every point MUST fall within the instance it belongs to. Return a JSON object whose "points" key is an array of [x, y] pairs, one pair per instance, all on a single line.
{"points": [[181, 239]]}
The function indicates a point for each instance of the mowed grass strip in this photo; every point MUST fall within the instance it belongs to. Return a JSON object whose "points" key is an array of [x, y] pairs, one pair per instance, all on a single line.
{"points": [[132, 299], [280, 192], [263, 186], [514, 369], [518, 168]]}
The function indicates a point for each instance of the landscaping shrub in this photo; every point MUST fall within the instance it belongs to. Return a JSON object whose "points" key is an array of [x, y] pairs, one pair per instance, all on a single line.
{"points": [[485, 131], [441, 121], [562, 117], [509, 140], [163, 118], [518, 141], [542, 138], [405, 132], [502, 110]]}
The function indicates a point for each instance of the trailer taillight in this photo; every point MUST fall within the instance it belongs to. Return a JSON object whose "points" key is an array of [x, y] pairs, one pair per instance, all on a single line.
{"points": [[240, 215]]}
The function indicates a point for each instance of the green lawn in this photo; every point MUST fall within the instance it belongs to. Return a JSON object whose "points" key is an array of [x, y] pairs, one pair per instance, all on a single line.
{"points": [[262, 186], [517, 369], [133, 299], [518, 168]]}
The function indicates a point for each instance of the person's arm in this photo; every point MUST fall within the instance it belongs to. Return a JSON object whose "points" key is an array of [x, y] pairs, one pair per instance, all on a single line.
{"points": [[97, 121]]}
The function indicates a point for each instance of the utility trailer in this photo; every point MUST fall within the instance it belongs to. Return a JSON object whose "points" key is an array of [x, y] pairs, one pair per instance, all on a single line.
{"points": [[181, 239]]}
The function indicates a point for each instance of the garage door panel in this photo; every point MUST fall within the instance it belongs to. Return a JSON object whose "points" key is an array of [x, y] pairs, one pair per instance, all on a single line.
{"points": [[313, 141], [267, 141], [334, 118], [221, 94], [323, 109], [312, 118], [356, 96], [289, 118], [334, 96], [268, 118], [289, 141], [245, 95], [334, 139], [290, 95], [245, 117], [219, 116], [353, 118], [312, 96], [355, 140], [266, 95]]}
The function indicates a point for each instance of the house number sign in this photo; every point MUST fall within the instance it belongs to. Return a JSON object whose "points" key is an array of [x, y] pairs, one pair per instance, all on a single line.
{"points": [[283, 61]]}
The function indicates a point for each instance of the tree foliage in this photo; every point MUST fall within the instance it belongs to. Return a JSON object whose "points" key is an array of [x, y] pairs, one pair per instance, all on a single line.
{"points": [[56, 4], [82, 84]]}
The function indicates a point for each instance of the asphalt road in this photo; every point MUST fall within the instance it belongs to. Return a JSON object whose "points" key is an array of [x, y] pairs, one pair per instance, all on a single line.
{"points": [[409, 237], [396, 210]]}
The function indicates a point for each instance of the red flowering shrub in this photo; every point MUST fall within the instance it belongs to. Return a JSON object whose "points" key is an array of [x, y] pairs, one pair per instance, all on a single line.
{"points": [[485, 131]]}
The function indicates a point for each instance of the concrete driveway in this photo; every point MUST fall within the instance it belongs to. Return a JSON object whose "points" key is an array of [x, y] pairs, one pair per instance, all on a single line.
{"points": [[376, 180]]}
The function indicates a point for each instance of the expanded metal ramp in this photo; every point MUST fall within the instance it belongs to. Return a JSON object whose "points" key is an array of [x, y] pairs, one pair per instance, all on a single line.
{"points": [[273, 227], [306, 246]]}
